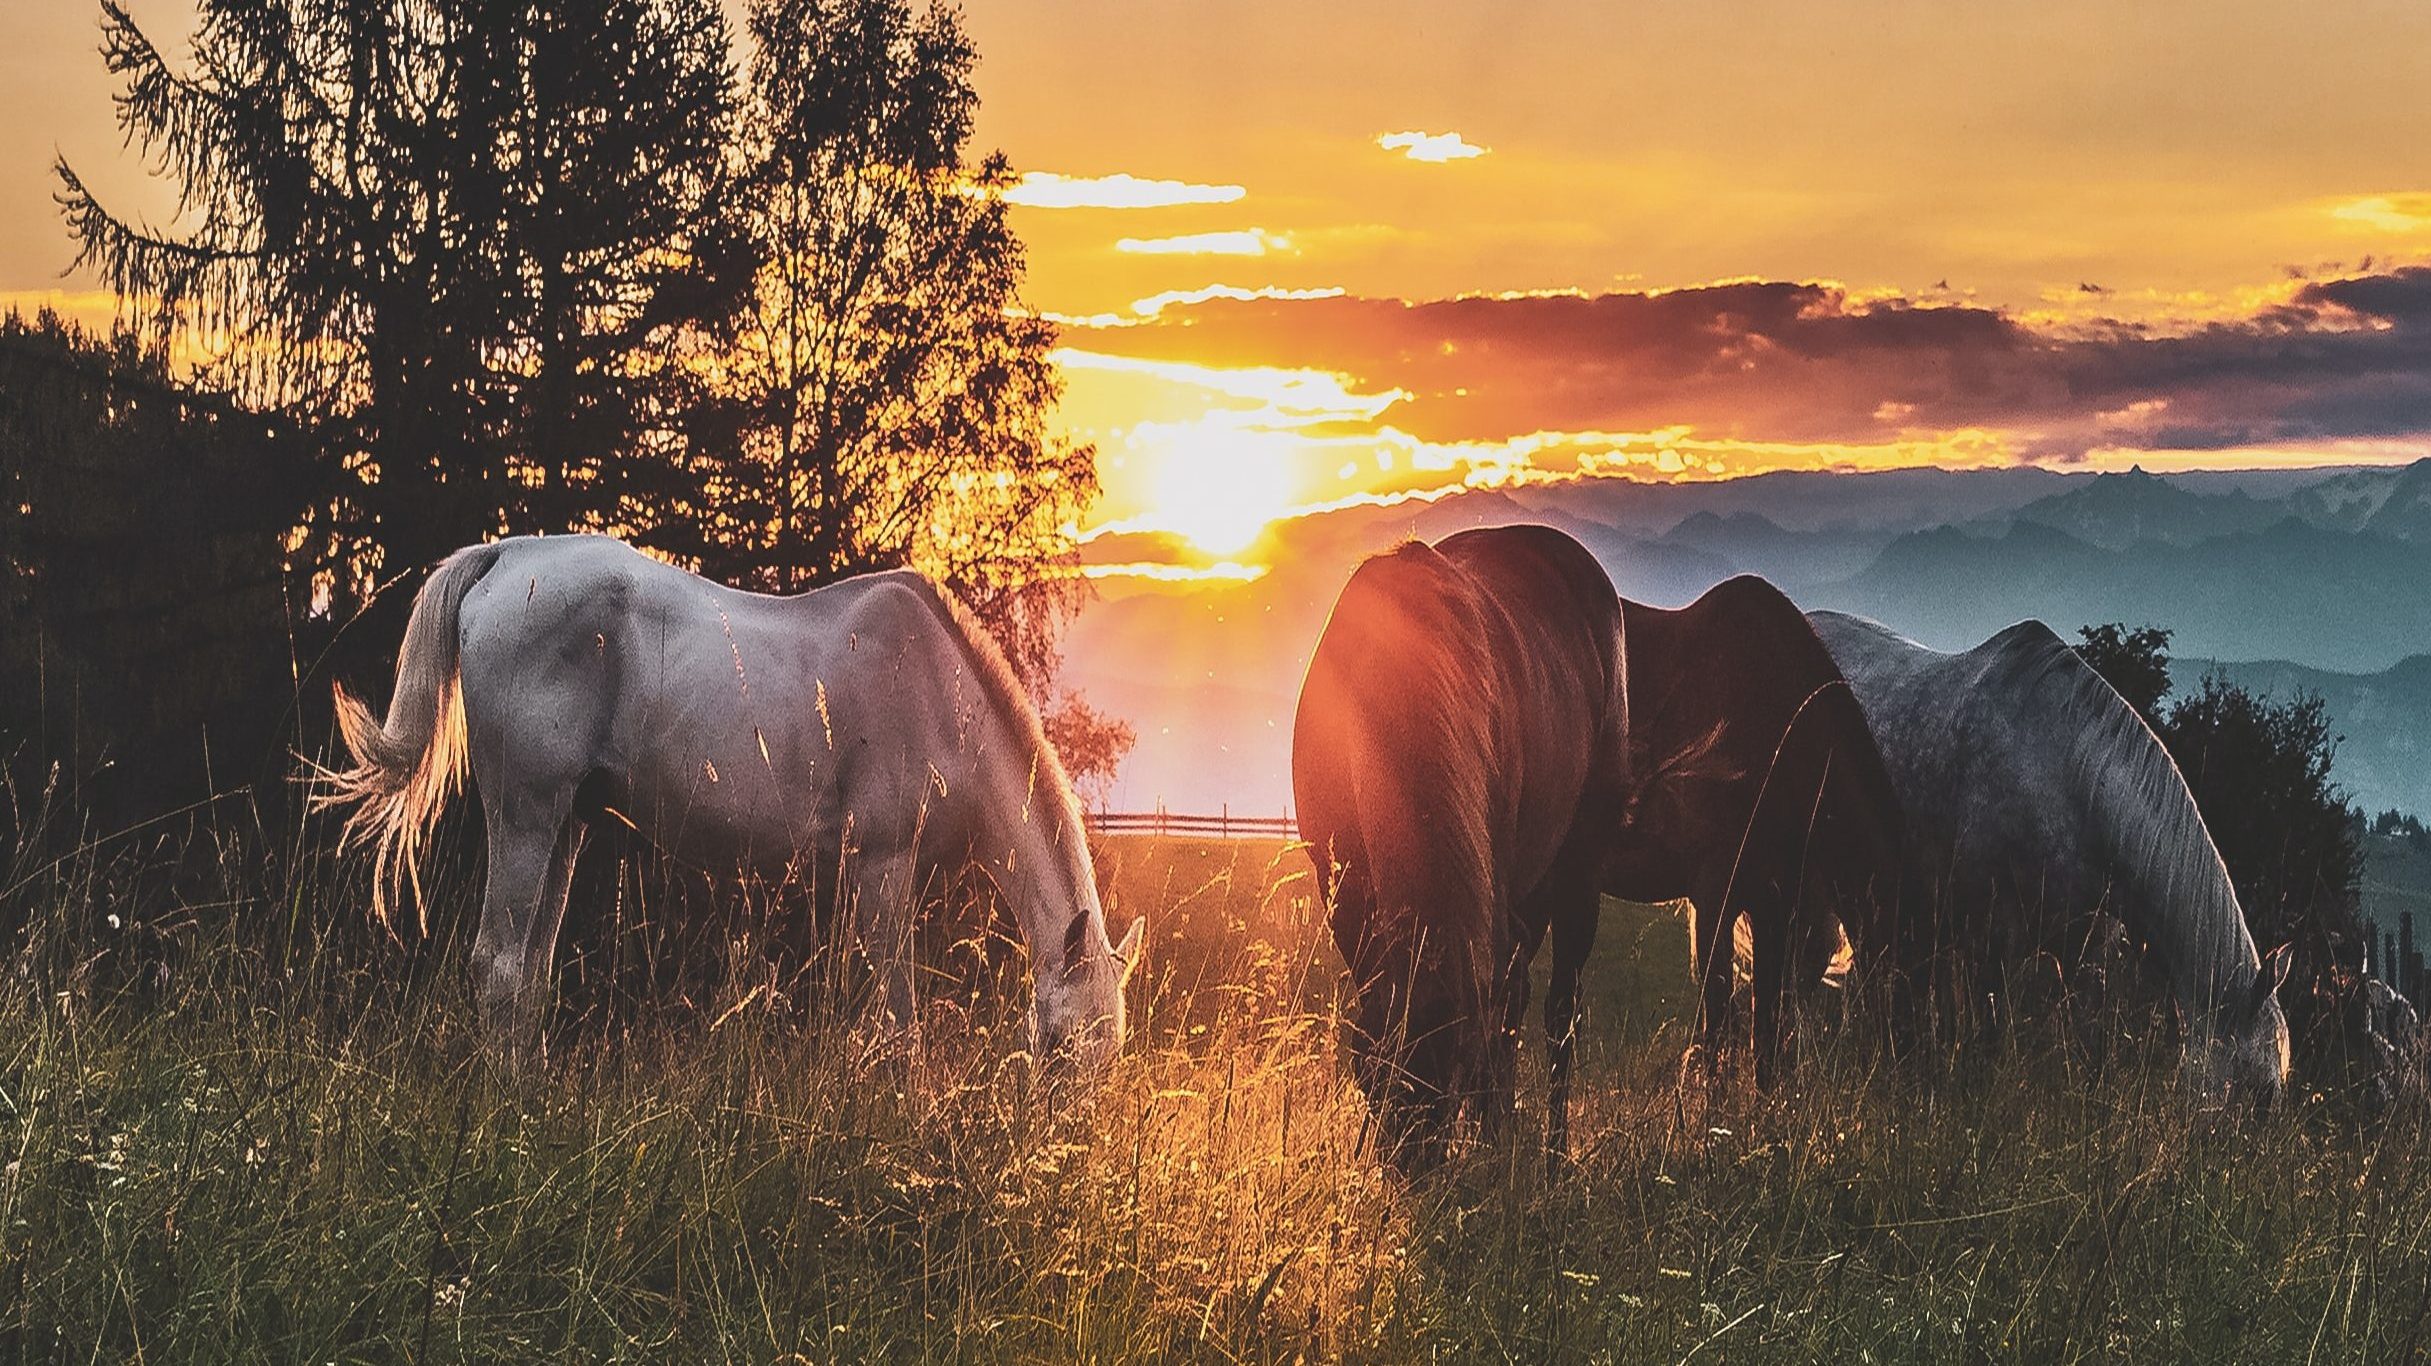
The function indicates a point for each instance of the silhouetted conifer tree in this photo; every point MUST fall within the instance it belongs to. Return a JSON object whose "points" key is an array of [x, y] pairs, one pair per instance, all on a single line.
{"points": [[145, 641], [452, 238]]}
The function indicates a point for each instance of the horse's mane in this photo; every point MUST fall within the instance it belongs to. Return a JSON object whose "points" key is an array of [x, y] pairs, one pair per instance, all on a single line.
{"points": [[1410, 610], [1011, 700], [2179, 898]]}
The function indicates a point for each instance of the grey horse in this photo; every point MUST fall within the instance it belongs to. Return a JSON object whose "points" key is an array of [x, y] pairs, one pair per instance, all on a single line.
{"points": [[2034, 797], [865, 737]]}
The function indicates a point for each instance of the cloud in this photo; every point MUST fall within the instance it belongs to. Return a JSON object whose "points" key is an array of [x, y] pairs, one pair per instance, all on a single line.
{"points": [[1156, 304], [1289, 397], [1435, 147], [2386, 212], [1122, 190], [1240, 242], [1222, 571], [1806, 365]]}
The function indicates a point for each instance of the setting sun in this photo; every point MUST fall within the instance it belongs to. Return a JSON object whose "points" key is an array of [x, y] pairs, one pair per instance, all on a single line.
{"points": [[1220, 489]]}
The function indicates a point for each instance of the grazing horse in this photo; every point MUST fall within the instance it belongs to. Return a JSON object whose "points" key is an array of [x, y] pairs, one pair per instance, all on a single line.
{"points": [[865, 737], [2034, 798], [1760, 793], [1459, 760]]}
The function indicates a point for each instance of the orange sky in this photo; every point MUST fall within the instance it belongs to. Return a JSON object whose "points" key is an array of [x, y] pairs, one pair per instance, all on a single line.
{"points": [[2056, 231]]}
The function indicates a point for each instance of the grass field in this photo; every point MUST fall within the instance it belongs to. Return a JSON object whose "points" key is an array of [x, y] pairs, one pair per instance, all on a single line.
{"points": [[271, 1146]]}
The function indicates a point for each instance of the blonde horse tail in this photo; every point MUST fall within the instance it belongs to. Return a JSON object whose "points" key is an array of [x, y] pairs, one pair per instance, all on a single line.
{"points": [[403, 768]]}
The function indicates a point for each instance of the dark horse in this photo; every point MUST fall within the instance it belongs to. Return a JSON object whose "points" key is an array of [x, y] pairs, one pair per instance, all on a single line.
{"points": [[1760, 794], [1460, 760]]}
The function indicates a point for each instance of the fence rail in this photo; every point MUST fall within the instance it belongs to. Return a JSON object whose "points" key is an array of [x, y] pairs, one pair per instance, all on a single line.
{"points": [[1222, 825]]}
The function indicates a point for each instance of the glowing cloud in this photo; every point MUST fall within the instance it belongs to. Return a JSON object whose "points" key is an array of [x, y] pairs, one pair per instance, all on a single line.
{"points": [[1158, 303], [1244, 242], [1222, 571], [1436, 147], [2387, 212], [1122, 190], [1286, 396]]}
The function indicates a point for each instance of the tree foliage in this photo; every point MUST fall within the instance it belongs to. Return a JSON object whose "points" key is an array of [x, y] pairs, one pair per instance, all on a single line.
{"points": [[2135, 662], [146, 638], [450, 237], [2260, 770], [885, 393], [1090, 743], [516, 267]]}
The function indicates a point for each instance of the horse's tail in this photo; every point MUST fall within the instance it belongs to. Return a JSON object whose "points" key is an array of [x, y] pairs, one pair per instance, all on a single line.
{"points": [[405, 767]]}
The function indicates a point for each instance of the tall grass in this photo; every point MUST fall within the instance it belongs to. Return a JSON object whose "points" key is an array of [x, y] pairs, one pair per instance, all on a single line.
{"points": [[258, 1139]]}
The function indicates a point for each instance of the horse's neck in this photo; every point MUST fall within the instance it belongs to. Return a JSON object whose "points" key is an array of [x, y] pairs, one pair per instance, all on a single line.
{"points": [[1030, 823]]}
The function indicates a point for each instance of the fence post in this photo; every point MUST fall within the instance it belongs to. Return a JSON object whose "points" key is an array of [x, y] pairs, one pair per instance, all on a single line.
{"points": [[2409, 963]]}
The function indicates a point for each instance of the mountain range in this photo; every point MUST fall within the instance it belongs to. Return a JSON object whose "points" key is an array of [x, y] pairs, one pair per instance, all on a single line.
{"points": [[2282, 579]]}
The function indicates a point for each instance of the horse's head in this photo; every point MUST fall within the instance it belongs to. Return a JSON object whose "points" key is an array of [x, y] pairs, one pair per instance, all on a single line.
{"points": [[1411, 1050], [1077, 1021], [2245, 1053]]}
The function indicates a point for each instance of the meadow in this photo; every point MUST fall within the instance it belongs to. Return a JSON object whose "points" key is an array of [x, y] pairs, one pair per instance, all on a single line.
{"points": [[250, 1132]]}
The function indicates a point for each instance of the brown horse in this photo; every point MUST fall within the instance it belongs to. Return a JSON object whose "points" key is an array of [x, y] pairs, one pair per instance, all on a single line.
{"points": [[1760, 794], [1460, 760]]}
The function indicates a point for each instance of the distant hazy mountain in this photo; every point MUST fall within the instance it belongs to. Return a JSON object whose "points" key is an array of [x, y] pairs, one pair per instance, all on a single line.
{"points": [[2336, 600], [2115, 511], [2383, 719], [2329, 569], [1889, 501], [2393, 501], [1796, 560], [2396, 882]]}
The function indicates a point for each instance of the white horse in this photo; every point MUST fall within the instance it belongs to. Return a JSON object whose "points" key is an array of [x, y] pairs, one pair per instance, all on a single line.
{"points": [[2035, 796], [867, 735]]}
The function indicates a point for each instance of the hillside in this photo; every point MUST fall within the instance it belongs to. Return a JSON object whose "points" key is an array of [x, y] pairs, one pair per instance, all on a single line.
{"points": [[2350, 601], [2116, 511], [2306, 568], [2383, 721]]}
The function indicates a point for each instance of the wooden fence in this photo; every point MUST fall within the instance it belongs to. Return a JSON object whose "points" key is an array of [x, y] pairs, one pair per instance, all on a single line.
{"points": [[1223, 825]]}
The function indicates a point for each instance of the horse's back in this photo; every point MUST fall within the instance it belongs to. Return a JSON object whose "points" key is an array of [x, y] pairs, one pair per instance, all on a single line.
{"points": [[1748, 736], [1981, 747], [732, 726]]}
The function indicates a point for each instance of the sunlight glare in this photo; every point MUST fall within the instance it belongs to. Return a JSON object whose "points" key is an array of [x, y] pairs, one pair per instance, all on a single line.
{"points": [[1220, 486]]}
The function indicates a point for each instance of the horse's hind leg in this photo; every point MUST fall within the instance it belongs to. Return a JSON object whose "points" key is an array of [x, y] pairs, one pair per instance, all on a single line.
{"points": [[1771, 923], [1717, 954], [531, 871]]}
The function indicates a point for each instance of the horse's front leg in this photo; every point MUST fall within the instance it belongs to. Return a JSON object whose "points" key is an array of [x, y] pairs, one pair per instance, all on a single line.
{"points": [[883, 883], [1574, 920], [1498, 1096]]}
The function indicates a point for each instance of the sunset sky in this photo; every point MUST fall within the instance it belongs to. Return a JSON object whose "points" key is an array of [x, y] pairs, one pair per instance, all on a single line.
{"points": [[1310, 252]]}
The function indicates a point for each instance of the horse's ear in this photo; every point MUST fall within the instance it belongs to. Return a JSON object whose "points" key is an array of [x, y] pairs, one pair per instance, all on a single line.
{"points": [[1076, 939], [2274, 974], [1128, 952]]}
